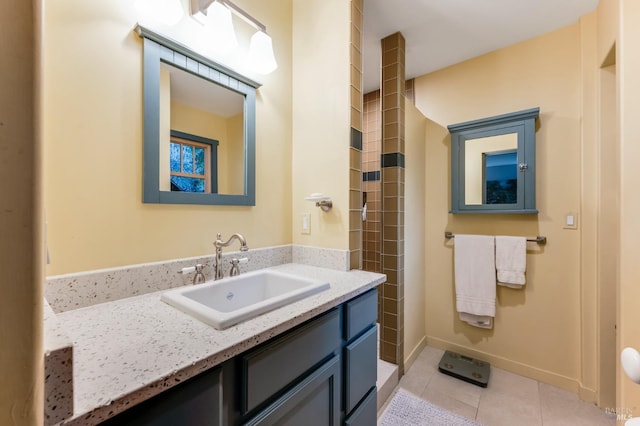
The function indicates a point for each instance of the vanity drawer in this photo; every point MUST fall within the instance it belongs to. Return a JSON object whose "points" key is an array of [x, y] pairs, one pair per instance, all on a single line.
{"points": [[361, 368], [273, 367], [315, 401], [360, 313]]}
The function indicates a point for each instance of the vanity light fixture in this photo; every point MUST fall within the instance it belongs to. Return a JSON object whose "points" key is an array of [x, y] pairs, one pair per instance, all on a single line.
{"points": [[261, 57], [220, 25], [321, 201], [167, 12]]}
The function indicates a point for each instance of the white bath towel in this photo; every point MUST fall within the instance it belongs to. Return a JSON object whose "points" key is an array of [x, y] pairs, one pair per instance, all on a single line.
{"points": [[511, 261], [475, 277], [481, 321]]}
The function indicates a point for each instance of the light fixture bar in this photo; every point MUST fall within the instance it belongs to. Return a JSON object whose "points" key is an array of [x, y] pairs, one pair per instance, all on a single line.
{"points": [[200, 6]]}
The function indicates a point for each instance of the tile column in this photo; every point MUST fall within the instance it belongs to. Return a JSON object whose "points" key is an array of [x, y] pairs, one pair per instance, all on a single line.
{"points": [[355, 150], [392, 163]]}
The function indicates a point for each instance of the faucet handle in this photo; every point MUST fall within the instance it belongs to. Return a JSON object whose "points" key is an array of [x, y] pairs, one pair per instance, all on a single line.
{"points": [[235, 265], [199, 276]]}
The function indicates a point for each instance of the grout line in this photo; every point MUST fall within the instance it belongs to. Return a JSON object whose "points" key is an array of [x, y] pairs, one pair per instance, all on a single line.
{"points": [[540, 402]]}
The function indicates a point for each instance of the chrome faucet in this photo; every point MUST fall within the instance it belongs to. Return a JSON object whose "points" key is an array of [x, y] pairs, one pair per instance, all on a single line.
{"points": [[218, 273]]}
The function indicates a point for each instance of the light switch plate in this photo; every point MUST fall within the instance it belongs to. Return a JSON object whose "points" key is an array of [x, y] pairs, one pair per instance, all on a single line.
{"points": [[571, 220], [305, 223]]}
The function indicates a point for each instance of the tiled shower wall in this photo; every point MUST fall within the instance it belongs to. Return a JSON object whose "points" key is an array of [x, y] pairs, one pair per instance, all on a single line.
{"points": [[371, 183], [355, 150]]}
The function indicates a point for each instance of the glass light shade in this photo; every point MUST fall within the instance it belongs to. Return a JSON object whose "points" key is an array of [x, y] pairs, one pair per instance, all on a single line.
{"points": [[220, 28], [167, 12], [261, 57]]}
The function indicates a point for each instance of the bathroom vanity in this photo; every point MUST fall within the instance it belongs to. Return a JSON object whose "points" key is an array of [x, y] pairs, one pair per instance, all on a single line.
{"points": [[318, 373], [140, 361]]}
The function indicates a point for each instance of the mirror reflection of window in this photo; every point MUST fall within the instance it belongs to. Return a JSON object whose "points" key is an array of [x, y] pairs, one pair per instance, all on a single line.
{"points": [[475, 174], [194, 106], [500, 177], [192, 164]]}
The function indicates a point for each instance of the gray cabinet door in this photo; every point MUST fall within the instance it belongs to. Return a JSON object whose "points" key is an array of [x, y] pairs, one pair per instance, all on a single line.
{"points": [[313, 402], [365, 414], [197, 402], [361, 368]]}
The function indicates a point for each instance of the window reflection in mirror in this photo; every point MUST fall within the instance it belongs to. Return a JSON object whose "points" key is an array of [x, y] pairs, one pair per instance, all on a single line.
{"points": [[500, 183], [201, 135], [193, 164], [491, 170]]}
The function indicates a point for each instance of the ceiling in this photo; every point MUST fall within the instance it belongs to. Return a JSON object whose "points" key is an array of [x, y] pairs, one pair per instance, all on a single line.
{"points": [[439, 33], [189, 89]]}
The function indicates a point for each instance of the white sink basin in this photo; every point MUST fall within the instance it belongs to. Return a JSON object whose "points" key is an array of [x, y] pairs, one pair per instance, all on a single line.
{"points": [[232, 300]]}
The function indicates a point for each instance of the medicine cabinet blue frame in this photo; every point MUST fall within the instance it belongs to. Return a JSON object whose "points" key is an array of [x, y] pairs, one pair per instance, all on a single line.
{"points": [[521, 123], [160, 49]]}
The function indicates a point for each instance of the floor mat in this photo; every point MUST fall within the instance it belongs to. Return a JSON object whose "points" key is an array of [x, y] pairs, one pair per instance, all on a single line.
{"points": [[405, 409]]}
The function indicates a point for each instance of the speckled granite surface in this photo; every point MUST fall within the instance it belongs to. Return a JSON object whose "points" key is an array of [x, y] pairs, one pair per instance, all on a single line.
{"points": [[322, 257], [128, 350], [58, 369], [79, 290]]}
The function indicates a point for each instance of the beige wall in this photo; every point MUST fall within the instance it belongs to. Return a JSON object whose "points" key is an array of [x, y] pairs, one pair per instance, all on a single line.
{"points": [[93, 144], [628, 62], [235, 174], [21, 220], [321, 120], [537, 330], [414, 240]]}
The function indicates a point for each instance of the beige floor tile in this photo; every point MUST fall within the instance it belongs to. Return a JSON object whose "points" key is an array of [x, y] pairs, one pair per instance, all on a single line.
{"points": [[431, 354], [501, 381], [498, 409], [415, 382], [446, 401], [561, 407], [455, 388], [420, 373]]}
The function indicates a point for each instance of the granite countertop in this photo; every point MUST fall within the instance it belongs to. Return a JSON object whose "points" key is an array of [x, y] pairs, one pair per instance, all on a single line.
{"points": [[129, 350]]}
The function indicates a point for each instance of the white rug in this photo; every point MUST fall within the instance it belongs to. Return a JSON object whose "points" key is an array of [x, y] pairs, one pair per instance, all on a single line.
{"points": [[405, 409]]}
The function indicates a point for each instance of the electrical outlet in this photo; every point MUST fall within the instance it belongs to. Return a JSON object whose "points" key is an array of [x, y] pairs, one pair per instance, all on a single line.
{"points": [[305, 223]]}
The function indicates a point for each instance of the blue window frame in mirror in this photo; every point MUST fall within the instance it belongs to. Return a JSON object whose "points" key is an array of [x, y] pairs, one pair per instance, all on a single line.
{"points": [[493, 164], [163, 55], [193, 163]]}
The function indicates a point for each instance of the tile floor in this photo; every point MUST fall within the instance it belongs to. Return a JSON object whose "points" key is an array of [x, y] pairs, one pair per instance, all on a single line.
{"points": [[509, 399]]}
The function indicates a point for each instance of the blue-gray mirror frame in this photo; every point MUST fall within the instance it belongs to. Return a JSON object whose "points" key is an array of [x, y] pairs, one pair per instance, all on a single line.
{"points": [[157, 49], [520, 122]]}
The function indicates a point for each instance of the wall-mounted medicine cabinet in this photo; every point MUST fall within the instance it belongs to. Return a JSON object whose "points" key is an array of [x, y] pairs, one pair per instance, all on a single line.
{"points": [[493, 164]]}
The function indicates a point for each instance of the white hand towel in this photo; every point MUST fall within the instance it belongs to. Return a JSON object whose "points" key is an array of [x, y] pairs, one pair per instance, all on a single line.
{"points": [[475, 276], [511, 261]]}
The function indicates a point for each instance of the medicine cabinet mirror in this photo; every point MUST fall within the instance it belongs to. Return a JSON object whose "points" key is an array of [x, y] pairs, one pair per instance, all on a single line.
{"points": [[199, 127], [493, 164]]}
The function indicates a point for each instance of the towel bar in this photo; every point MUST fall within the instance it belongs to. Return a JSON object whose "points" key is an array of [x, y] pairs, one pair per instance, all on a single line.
{"points": [[538, 239]]}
